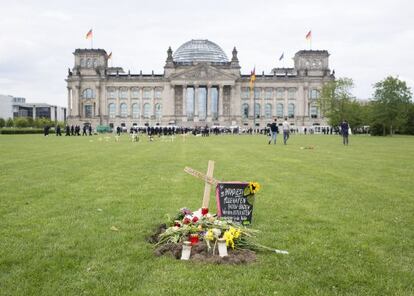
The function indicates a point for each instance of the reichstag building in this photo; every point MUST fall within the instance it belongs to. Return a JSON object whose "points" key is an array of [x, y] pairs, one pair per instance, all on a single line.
{"points": [[200, 86]]}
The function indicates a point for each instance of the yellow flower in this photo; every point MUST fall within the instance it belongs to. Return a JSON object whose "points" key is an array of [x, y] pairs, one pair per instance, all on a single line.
{"points": [[209, 235], [234, 232], [254, 187], [229, 239]]}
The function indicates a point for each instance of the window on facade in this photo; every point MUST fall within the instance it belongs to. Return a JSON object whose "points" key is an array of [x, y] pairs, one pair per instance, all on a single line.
{"points": [[88, 94], [123, 93], [88, 111], [147, 93], [135, 110], [190, 103], [158, 111], [280, 93], [291, 110], [257, 92], [88, 63], [202, 103], [135, 93], [245, 93], [292, 93], [123, 109], [214, 103], [111, 93], [268, 93], [245, 111], [157, 93], [268, 111], [82, 62], [313, 111], [95, 63], [279, 110], [257, 110], [147, 110], [111, 110], [314, 94]]}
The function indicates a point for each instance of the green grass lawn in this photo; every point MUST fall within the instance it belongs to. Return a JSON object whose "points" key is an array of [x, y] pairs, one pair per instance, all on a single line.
{"points": [[346, 215]]}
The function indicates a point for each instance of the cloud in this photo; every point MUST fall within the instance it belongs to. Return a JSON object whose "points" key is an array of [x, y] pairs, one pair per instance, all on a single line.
{"points": [[368, 40]]}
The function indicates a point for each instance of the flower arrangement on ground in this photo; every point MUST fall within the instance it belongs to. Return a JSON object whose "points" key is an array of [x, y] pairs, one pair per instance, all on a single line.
{"points": [[201, 228]]}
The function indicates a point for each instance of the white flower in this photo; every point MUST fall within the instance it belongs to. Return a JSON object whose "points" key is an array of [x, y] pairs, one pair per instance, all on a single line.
{"points": [[197, 214], [216, 232]]}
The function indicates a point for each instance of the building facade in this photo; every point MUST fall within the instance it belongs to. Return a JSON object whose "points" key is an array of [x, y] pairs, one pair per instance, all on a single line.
{"points": [[14, 107], [200, 86]]}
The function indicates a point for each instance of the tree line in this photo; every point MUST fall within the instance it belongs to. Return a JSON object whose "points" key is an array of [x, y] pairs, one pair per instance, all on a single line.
{"points": [[390, 111], [24, 122]]}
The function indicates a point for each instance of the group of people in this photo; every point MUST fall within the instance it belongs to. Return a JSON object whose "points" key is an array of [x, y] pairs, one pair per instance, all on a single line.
{"points": [[75, 130], [274, 130]]}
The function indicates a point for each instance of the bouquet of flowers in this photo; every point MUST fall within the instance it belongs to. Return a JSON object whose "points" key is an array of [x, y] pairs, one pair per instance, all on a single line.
{"points": [[201, 226]]}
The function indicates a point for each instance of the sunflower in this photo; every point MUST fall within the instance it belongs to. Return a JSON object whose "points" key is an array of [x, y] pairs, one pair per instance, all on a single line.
{"points": [[254, 187]]}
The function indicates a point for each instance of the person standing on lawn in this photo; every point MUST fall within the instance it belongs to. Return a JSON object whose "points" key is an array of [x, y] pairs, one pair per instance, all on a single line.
{"points": [[285, 131], [273, 131]]}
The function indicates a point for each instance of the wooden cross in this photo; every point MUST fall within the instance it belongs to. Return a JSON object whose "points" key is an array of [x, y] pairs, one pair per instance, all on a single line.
{"points": [[208, 179]]}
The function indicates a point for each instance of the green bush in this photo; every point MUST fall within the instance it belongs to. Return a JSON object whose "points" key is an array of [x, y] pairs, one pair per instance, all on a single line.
{"points": [[9, 122], [22, 131], [2, 122], [21, 122]]}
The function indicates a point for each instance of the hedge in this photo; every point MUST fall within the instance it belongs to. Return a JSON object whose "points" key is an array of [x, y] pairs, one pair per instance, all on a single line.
{"points": [[21, 131]]}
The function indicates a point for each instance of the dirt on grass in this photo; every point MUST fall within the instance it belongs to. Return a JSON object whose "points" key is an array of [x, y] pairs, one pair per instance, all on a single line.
{"points": [[200, 251]]}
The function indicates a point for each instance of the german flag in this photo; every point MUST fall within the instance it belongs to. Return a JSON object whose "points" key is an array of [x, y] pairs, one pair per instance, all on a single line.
{"points": [[252, 78], [89, 34]]}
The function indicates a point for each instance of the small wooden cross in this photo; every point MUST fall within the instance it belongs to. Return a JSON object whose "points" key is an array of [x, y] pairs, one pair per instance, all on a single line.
{"points": [[208, 179]]}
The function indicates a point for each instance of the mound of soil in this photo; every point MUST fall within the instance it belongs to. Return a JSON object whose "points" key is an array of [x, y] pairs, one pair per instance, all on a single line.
{"points": [[154, 238], [200, 253]]}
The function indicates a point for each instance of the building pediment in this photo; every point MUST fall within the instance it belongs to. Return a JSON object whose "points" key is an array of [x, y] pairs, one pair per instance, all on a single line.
{"points": [[201, 73]]}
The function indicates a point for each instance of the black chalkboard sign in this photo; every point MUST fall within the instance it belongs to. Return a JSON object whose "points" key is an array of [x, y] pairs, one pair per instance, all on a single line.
{"points": [[232, 202]]}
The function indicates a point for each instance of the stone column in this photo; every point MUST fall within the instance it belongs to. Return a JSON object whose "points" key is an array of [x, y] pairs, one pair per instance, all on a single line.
{"points": [[208, 111], [141, 104], [78, 101], [220, 100], [184, 101], [305, 102], [69, 103], [195, 100], [285, 103], [97, 112]]}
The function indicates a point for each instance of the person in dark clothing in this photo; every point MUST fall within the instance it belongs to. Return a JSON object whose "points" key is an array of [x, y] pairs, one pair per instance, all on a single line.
{"points": [[46, 130], [90, 130], [84, 131], [344, 132], [72, 130], [118, 130], [273, 131], [67, 131], [58, 132]]}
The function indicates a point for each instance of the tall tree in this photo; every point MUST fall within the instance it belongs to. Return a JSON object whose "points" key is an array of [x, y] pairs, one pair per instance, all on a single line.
{"points": [[391, 103], [337, 102]]}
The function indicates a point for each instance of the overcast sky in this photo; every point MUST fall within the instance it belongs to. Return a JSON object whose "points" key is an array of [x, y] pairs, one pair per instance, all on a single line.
{"points": [[367, 40]]}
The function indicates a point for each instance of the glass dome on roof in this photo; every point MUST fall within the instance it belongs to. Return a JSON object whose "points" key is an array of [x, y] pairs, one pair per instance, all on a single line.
{"points": [[199, 50]]}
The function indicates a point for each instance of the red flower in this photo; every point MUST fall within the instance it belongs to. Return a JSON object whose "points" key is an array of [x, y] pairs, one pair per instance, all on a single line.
{"points": [[194, 239], [204, 211], [195, 219], [186, 221]]}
